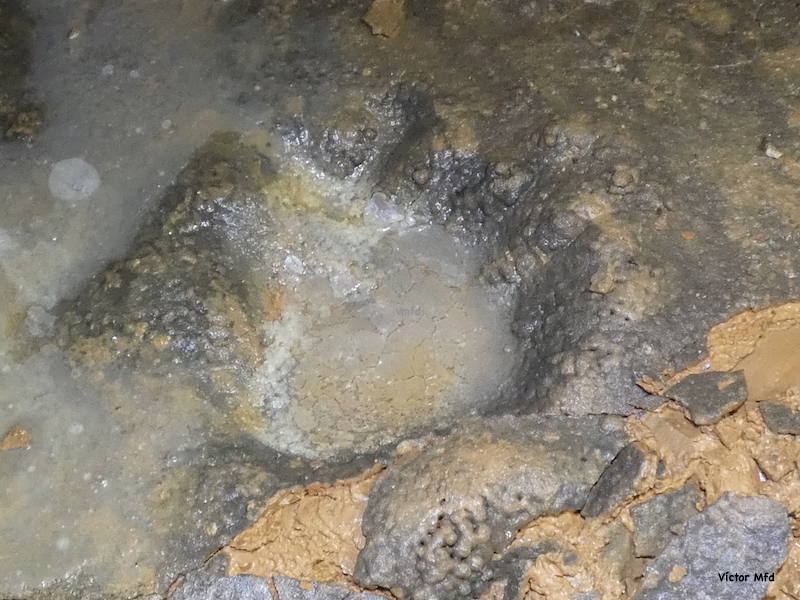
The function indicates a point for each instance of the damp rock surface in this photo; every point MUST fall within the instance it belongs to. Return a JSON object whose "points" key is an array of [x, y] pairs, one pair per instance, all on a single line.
{"points": [[749, 536], [18, 119], [373, 346], [179, 296], [343, 334]]}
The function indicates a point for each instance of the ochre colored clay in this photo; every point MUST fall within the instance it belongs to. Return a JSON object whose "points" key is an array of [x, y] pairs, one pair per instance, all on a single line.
{"points": [[309, 533], [15, 438]]}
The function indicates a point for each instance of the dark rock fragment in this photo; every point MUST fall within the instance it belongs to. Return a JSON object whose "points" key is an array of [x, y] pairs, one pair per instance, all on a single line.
{"points": [[658, 520], [710, 396], [618, 557], [292, 589], [617, 482], [737, 535], [213, 584], [780, 418]]}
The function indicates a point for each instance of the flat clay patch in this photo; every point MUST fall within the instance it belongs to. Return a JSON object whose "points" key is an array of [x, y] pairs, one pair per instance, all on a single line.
{"points": [[308, 533]]}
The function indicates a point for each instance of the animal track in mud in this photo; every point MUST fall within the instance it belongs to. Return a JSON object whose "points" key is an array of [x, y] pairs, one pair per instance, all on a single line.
{"points": [[384, 327], [329, 318]]}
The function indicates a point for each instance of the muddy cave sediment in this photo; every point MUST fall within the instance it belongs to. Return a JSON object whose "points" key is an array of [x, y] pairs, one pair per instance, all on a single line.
{"points": [[235, 321], [460, 300]]}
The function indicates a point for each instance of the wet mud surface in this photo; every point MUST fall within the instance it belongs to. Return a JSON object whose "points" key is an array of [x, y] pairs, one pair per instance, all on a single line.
{"points": [[425, 300]]}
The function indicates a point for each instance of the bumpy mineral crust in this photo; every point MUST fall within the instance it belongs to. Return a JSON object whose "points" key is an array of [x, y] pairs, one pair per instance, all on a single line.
{"points": [[179, 297], [434, 524], [18, 118]]}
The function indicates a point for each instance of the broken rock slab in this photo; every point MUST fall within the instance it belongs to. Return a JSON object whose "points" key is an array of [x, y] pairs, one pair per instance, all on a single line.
{"points": [[780, 418], [618, 557], [737, 535], [658, 520], [211, 583], [710, 396], [205, 586], [292, 589], [618, 481], [436, 521]]}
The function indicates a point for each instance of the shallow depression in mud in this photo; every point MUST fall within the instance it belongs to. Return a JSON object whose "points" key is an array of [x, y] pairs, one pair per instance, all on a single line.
{"points": [[382, 327], [370, 325]]}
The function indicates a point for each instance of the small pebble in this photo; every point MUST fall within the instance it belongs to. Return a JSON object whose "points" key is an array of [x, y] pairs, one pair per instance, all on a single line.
{"points": [[294, 265], [624, 179], [381, 211], [770, 150], [421, 176]]}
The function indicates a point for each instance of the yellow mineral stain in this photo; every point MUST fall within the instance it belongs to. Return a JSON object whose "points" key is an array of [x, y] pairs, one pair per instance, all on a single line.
{"points": [[781, 63], [787, 580], [793, 119], [386, 17], [711, 14], [291, 193], [459, 128], [244, 416], [229, 312], [406, 383], [15, 438], [273, 301]]}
